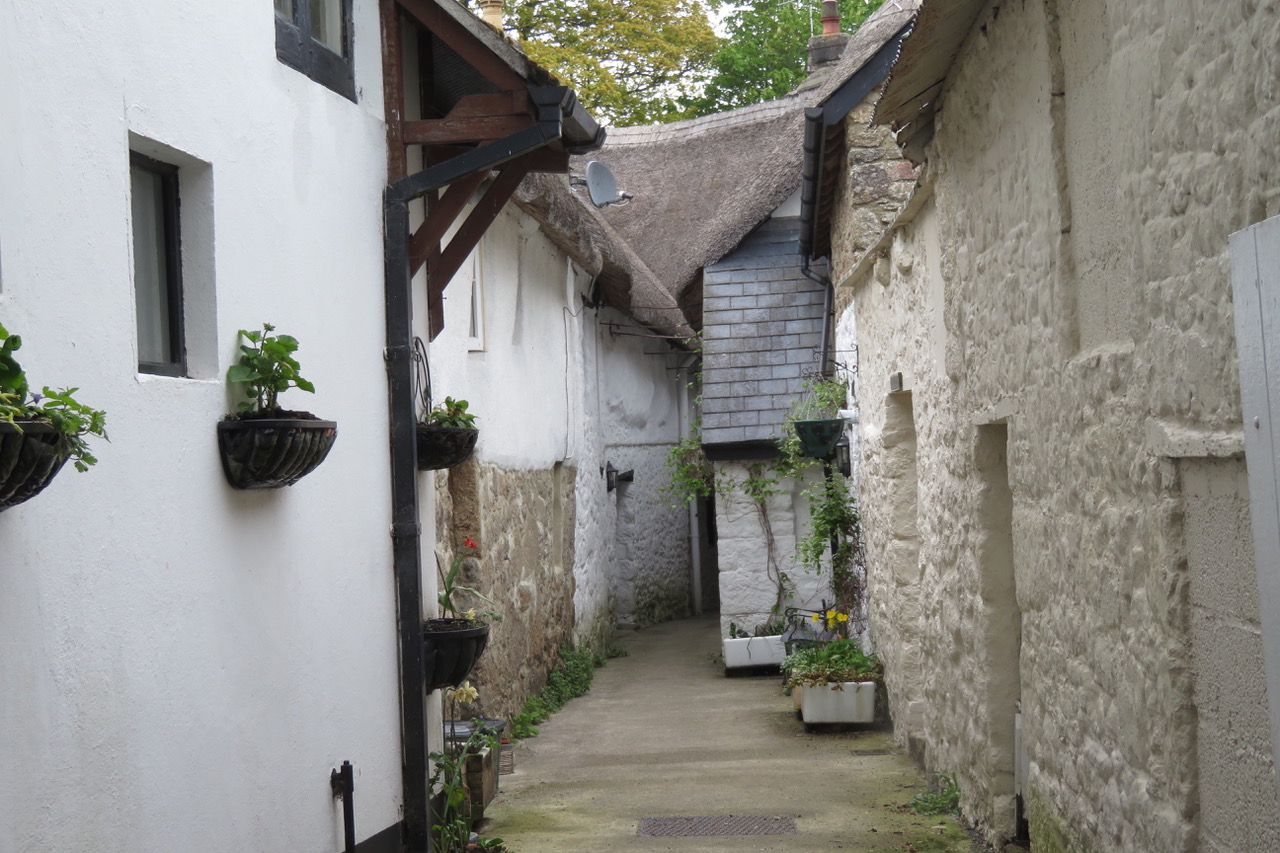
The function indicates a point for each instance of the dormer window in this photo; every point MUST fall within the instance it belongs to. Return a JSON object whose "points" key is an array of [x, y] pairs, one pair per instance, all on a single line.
{"points": [[314, 36]]}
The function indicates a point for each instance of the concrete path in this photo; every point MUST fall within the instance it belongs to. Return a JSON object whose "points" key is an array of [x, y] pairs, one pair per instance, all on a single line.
{"points": [[663, 733]]}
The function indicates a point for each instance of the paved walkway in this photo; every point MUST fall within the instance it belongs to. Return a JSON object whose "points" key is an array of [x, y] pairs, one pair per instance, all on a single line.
{"points": [[663, 733]]}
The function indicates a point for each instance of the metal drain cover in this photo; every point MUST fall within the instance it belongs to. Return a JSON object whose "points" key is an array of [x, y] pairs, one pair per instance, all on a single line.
{"points": [[717, 825]]}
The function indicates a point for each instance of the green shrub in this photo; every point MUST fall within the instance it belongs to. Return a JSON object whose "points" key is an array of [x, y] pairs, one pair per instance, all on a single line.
{"points": [[571, 677]]}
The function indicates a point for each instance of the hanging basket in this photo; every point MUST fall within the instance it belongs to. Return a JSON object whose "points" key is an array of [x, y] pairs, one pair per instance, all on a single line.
{"points": [[31, 455], [450, 649], [818, 438], [273, 453], [443, 447]]}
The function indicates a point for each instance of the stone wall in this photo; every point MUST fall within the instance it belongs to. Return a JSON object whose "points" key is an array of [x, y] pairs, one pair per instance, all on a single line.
{"points": [[756, 545], [651, 571], [1058, 302], [523, 523]]}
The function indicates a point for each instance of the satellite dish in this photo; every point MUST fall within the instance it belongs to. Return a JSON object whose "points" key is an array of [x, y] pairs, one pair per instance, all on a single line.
{"points": [[602, 186]]}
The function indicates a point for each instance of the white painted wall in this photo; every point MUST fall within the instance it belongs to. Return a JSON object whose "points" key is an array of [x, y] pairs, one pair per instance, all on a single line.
{"points": [[554, 383], [638, 390], [183, 664]]}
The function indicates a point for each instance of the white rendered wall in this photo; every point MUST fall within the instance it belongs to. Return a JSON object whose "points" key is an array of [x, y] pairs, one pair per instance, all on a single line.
{"points": [[553, 384], [183, 664], [638, 395]]}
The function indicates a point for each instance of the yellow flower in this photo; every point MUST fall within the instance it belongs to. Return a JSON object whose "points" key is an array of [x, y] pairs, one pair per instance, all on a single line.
{"points": [[843, 617], [470, 614], [817, 617], [464, 692], [831, 614]]}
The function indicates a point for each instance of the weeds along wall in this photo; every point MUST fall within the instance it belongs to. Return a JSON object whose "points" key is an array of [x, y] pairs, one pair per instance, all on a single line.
{"points": [[1062, 466]]}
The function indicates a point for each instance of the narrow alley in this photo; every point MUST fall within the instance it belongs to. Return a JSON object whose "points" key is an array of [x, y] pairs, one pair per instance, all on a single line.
{"points": [[663, 733]]}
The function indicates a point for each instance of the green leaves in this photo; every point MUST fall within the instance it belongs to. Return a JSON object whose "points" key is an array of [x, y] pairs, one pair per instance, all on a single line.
{"points": [[765, 55], [268, 367], [832, 663], [630, 61], [451, 413], [13, 381], [71, 418]]}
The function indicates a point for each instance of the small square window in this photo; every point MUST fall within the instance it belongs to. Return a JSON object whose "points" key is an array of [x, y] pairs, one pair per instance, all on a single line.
{"points": [[475, 325], [314, 36], [157, 266]]}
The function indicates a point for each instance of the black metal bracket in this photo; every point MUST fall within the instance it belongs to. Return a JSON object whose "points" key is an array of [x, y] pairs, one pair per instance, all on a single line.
{"points": [[343, 783]]}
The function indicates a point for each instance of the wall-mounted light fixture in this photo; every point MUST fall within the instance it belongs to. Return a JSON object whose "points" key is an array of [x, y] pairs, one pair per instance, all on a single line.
{"points": [[843, 463], [612, 476]]}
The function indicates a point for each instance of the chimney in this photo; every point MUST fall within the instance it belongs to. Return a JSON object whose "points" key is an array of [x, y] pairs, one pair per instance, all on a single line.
{"points": [[491, 13], [827, 48]]}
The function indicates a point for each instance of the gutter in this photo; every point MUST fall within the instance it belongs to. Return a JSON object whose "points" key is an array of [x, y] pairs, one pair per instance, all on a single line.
{"points": [[559, 117], [830, 112]]}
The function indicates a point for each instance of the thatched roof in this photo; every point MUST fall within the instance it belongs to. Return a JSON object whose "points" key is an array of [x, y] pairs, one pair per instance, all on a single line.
{"points": [[701, 185], [622, 278]]}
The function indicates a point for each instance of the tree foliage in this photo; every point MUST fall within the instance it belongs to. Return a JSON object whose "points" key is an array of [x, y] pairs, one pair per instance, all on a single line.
{"points": [[765, 52], [630, 61]]}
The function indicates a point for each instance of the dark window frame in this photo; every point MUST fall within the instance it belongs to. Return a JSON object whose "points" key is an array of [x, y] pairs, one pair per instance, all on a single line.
{"points": [[171, 216], [296, 48]]}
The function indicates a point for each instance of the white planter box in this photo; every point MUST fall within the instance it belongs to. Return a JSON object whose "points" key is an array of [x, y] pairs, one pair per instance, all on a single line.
{"points": [[753, 651], [855, 703]]}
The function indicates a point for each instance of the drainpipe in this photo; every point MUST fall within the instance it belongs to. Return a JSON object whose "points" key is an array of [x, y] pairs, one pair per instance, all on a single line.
{"points": [[558, 116], [695, 540], [828, 309]]}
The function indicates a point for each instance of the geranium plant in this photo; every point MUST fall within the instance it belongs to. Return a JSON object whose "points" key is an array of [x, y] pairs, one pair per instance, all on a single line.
{"points": [[268, 368], [71, 419], [451, 413], [449, 587]]}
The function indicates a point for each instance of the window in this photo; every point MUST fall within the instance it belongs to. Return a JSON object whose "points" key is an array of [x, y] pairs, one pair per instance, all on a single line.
{"points": [[475, 326], [157, 266], [314, 36]]}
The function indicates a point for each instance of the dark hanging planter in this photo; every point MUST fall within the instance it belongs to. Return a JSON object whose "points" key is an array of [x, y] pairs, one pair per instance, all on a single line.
{"points": [[443, 447], [270, 453], [31, 455], [450, 649], [818, 438]]}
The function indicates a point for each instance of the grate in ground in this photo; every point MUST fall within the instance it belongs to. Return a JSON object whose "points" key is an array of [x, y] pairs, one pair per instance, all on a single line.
{"points": [[717, 825], [871, 752], [507, 760]]}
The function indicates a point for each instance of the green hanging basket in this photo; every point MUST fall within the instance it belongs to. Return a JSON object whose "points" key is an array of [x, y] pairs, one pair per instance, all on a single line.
{"points": [[818, 438]]}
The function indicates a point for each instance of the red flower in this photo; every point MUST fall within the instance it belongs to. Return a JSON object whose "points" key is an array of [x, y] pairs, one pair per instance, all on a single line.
{"points": [[470, 543]]}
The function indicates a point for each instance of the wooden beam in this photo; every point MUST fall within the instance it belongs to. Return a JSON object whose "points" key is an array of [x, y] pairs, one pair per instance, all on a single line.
{"points": [[393, 88], [440, 215], [500, 104], [446, 264], [454, 131], [464, 42]]}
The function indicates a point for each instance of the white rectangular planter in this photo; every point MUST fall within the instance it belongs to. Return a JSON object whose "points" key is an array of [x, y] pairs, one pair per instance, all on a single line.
{"points": [[855, 703], [753, 651]]}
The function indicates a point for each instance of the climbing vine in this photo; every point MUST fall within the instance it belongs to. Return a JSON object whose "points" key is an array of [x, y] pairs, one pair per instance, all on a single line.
{"points": [[835, 529]]}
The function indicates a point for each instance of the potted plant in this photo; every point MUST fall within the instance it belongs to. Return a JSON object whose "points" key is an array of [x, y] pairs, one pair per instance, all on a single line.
{"points": [[836, 680], [264, 446], [815, 417], [763, 647], [465, 781], [38, 432], [453, 642], [447, 436]]}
